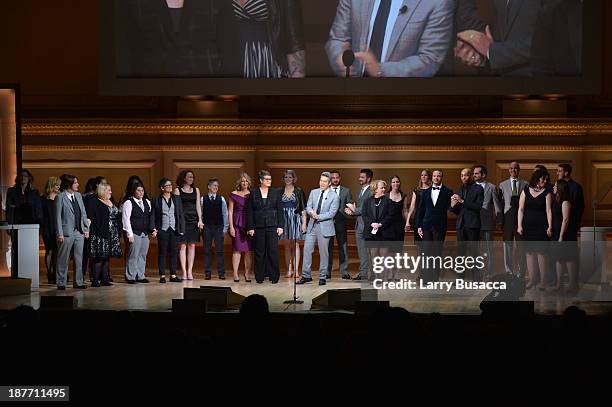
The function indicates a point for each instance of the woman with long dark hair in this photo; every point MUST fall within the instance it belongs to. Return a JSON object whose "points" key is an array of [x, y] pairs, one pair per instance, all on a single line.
{"points": [[397, 203], [564, 236], [294, 201], [189, 196]]}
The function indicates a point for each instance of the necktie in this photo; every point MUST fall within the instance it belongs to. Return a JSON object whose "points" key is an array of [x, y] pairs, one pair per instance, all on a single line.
{"points": [[336, 190], [380, 27], [140, 205], [514, 188], [212, 197], [320, 202]]}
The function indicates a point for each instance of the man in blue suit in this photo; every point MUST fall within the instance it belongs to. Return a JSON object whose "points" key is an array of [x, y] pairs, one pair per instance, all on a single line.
{"points": [[432, 221]]}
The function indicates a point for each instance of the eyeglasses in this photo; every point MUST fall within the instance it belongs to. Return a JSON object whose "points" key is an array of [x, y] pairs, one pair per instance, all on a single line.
{"points": [[267, 179], [167, 185]]}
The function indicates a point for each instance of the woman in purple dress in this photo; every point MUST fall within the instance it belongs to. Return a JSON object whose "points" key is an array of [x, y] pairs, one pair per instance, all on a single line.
{"points": [[241, 242]]}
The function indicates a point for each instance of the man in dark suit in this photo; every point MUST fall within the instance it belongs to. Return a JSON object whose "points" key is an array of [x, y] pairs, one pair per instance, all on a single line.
{"points": [[503, 48], [345, 196], [265, 221], [432, 219], [564, 172], [490, 214], [467, 205]]}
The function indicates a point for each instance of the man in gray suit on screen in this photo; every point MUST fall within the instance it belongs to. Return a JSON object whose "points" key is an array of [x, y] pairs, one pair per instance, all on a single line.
{"points": [[391, 38], [321, 209]]}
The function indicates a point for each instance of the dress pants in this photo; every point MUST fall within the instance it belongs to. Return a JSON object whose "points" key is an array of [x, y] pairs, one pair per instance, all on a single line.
{"points": [[167, 241], [265, 243], [467, 245], [364, 256], [137, 258], [342, 250], [213, 234], [315, 237], [513, 239], [433, 241], [73, 243]]}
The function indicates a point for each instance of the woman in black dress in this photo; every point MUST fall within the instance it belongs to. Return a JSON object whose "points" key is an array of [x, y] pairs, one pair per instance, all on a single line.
{"points": [[52, 189], [262, 39], [104, 234], [415, 202], [535, 224], [397, 203], [564, 236], [376, 214], [190, 198]]}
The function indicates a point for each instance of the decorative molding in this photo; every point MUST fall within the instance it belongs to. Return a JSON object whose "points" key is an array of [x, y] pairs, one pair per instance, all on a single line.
{"points": [[209, 164], [370, 163], [72, 164]]}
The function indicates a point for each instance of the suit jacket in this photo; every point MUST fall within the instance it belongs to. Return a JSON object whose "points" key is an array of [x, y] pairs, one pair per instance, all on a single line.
{"points": [[505, 188], [345, 197], [13, 201], [179, 217], [329, 208], [99, 216], [64, 215], [491, 208], [577, 197], [429, 215], [385, 215], [468, 212], [262, 215], [513, 30], [361, 198], [419, 41]]}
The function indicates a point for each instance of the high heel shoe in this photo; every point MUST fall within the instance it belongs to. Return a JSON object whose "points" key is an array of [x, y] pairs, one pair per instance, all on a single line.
{"points": [[189, 276], [246, 279]]}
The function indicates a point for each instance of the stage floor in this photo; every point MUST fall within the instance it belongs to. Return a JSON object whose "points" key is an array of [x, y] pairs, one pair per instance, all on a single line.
{"points": [[158, 297]]}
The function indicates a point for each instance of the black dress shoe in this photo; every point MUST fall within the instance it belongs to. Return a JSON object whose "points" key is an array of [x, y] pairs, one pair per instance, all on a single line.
{"points": [[175, 279], [162, 280], [273, 281], [221, 277], [110, 279], [358, 277], [144, 280], [236, 281], [131, 282], [61, 287], [322, 282], [328, 276], [95, 284], [207, 277], [304, 280], [106, 283], [81, 287], [346, 277]]}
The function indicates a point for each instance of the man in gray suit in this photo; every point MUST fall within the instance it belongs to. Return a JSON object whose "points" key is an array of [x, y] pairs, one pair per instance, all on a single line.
{"points": [[345, 196], [391, 38], [491, 212], [72, 229], [321, 207], [510, 193], [354, 209]]}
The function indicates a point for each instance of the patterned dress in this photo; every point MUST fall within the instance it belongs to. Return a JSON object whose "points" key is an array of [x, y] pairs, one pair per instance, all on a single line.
{"points": [[101, 248], [293, 221]]}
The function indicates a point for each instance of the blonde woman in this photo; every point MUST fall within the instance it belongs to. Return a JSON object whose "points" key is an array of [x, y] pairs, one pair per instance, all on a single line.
{"points": [[241, 241], [52, 189], [377, 219]]}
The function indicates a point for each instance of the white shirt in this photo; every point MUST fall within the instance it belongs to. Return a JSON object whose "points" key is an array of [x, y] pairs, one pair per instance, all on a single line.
{"points": [[325, 193], [70, 195], [337, 190], [126, 213], [396, 5], [363, 189], [435, 193]]}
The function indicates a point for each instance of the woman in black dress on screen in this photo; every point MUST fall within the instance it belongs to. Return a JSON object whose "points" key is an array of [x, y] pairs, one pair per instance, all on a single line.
{"points": [[52, 189], [395, 234], [564, 236], [535, 225], [190, 198], [261, 39]]}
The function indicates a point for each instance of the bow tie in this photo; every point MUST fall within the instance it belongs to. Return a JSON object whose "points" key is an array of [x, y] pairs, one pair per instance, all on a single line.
{"points": [[436, 188]]}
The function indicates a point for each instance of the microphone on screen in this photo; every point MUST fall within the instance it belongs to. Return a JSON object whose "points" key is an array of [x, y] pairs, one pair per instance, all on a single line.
{"points": [[348, 58], [403, 9]]}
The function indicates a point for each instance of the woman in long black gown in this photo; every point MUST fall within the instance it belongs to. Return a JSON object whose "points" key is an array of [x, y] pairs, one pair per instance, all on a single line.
{"points": [[52, 189], [395, 234]]}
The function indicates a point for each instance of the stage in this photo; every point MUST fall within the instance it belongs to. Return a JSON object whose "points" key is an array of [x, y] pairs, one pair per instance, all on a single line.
{"points": [[158, 297]]}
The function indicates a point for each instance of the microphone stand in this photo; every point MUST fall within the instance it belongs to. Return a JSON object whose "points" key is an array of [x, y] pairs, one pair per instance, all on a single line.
{"points": [[294, 300]]}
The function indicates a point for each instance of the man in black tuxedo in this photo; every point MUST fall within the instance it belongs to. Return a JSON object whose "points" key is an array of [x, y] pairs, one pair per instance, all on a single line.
{"points": [[467, 205], [432, 218]]}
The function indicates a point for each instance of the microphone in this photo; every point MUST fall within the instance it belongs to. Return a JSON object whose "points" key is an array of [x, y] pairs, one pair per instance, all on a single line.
{"points": [[348, 58], [403, 9]]}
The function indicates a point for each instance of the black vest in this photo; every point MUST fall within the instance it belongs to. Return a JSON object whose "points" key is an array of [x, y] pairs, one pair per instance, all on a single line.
{"points": [[77, 214], [139, 219], [213, 214]]}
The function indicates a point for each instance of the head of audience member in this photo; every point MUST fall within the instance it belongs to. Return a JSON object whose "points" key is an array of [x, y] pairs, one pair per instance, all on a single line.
{"points": [[539, 179], [480, 173], [290, 177], [69, 183], [335, 178], [324, 180], [186, 178], [213, 186], [165, 186], [137, 191], [104, 192], [395, 184], [436, 177], [564, 171], [243, 183], [514, 169], [265, 179], [255, 306], [52, 186], [466, 176], [365, 176], [561, 190], [424, 179], [378, 188], [24, 179]]}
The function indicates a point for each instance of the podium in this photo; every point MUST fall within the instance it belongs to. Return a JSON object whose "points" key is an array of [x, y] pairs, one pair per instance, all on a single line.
{"points": [[27, 252]]}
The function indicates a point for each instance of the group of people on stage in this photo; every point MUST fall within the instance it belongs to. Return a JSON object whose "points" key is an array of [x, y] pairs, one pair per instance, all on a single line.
{"points": [[89, 227], [389, 38]]}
